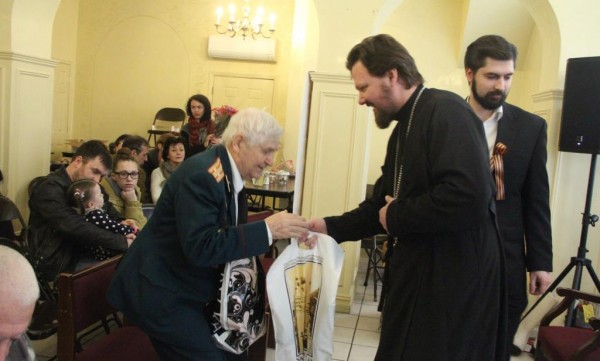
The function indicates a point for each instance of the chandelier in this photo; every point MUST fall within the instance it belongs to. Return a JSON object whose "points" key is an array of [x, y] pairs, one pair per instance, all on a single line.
{"points": [[245, 26]]}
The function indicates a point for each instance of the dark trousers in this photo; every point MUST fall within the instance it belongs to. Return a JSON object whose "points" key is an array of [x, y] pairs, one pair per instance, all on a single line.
{"points": [[173, 353], [516, 279]]}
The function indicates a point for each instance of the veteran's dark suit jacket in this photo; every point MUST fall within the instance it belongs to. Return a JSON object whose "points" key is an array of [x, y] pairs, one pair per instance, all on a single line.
{"points": [[524, 216], [171, 270]]}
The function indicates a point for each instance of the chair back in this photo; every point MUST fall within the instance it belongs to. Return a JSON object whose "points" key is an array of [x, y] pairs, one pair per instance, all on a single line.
{"points": [[268, 258], [82, 303], [166, 120], [172, 115], [259, 216], [148, 209], [82, 295], [9, 213], [569, 343]]}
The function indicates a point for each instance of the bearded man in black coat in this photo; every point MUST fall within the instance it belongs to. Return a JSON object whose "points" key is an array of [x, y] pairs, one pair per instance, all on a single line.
{"points": [[444, 283]]}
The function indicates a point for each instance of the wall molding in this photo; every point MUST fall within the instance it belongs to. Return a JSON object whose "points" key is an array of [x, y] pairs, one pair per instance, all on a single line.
{"points": [[4, 55], [331, 78], [549, 95]]}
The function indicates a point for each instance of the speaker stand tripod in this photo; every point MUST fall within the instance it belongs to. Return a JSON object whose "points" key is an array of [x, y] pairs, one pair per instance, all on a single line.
{"points": [[580, 261]]}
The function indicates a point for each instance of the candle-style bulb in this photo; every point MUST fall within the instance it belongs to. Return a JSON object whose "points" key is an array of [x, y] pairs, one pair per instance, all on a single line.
{"points": [[219, 15], [272, 21]]}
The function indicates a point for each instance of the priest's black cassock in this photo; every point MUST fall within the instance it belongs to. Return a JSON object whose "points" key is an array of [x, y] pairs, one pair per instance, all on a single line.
{"points": [[445, 297]]}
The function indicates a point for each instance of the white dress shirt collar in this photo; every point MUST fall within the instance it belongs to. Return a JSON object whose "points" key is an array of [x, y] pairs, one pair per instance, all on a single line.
{"points": [[237, 181]]}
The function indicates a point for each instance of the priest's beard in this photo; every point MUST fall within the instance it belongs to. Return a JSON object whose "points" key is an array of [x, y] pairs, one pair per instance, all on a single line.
{"points": [[383, 118], [486, 101]]}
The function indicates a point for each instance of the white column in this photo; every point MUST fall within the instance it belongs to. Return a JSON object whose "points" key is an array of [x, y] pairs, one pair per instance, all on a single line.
{"points": [[26, 96], [336, 163]]}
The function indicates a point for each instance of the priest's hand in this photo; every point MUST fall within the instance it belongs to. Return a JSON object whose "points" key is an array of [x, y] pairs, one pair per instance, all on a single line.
{"points": [[383, 212], [317, 225]]}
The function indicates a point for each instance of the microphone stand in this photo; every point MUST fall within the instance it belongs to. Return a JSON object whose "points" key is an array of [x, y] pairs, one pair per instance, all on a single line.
{"points": [[580, 261]]}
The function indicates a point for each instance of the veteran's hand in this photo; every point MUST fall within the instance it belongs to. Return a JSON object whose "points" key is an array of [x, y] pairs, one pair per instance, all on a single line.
{"points": [[308, 242], [130, 238], [287, 225], [383, 212]]}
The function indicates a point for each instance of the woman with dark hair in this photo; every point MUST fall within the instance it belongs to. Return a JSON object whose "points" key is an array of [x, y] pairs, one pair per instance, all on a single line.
{"points": [[199, 131], [173, 155], [117, 144]]}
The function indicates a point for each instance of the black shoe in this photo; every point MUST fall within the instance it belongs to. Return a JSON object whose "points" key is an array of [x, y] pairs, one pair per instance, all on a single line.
{"points": [[514, 350]]}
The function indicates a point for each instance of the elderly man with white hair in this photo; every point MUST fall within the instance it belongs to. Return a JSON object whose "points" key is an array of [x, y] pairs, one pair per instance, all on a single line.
{"points": [[20, 291], [171, 274]]}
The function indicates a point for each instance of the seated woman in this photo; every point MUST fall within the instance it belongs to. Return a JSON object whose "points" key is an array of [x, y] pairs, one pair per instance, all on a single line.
{"points": [[173, 155], [117, 144], [155, 156], [122, 188], [199, 131], [86, 196]]}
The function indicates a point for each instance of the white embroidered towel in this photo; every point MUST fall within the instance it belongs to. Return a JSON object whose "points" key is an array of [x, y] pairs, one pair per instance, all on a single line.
{"points": [[302, 285]]}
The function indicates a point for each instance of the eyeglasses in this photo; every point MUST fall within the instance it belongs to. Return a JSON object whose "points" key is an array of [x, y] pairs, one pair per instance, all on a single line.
{"points": [[124, 175]]}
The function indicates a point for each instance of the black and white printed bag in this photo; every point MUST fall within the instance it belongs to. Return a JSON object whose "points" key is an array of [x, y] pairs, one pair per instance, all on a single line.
{"points": [[237, 318]]}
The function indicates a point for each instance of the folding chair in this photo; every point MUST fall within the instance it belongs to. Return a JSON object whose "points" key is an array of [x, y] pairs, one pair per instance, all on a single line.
{"points": [[373, 248], [166, 120]]}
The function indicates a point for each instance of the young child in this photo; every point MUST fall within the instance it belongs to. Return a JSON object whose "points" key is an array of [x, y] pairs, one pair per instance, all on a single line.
{"points": [[86, 196]]}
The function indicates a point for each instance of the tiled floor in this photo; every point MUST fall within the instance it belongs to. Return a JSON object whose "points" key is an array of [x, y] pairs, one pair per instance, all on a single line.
{"points": [[355, 336]]}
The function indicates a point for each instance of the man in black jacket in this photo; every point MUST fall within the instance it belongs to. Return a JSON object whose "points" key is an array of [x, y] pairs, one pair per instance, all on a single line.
{"points": [[517, 144], [57, 232]]}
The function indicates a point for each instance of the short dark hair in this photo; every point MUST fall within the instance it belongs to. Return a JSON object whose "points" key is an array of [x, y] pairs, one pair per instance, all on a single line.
{"points": [[135, 142], [168, 143], [202, 99], [94, 149], [489, 46], [381, 53], [121, 138]]}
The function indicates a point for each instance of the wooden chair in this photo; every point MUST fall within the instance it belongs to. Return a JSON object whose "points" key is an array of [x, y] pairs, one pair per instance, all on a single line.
{"points": [[82, 303], [10, 214], [148, 209], [562, 343]]}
